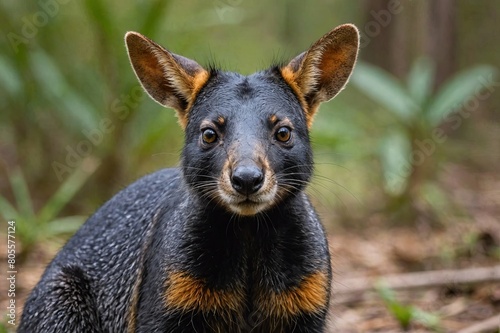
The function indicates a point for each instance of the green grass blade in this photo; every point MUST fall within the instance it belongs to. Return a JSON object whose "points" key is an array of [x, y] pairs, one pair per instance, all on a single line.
{"points": [[68, 189], [401, 312], [394, 154], [383, 290], [385, 90], [10, 79], [153, 17], [71, 104], [22, 195], [101, 17], [7, 211], [64, 225], [465, 85], [429, 320], [420, 80]]}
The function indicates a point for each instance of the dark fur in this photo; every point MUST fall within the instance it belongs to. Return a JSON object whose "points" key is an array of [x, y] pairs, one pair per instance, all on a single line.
{"points": [[167, 255]]}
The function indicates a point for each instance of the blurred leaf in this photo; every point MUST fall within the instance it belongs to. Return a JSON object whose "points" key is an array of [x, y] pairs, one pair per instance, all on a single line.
{"points": [[429, 320], [330, 131], [7, 210], [386, 90], [101, 16], [386, 293], [436, 198], [402, 313], [405, 314], [68, 189], [10, 80], [22, 194], [53, 84], [64, 225], [420, 80], [31, 227], [395, 150], [456, 91], [3, 328], [154, 15]]}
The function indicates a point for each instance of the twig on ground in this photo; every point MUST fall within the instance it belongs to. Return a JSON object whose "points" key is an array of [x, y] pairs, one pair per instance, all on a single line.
{"points": [[419, 280], [487, 325]]}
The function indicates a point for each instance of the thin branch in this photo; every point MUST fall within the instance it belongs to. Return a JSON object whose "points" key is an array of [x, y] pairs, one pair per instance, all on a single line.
{"points": [[487, 325], [419, 280]]}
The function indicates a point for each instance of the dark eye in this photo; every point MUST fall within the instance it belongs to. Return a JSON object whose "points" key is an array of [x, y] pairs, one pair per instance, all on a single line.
{"points": [[208, 135], [283, 134]]}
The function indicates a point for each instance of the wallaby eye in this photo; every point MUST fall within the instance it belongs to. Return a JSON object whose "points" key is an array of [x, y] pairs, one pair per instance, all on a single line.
{"points": [[283, 134], [208, 135]]}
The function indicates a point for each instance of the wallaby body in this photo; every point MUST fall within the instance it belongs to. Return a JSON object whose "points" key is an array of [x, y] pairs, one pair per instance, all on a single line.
{"points": [[228, 242]]}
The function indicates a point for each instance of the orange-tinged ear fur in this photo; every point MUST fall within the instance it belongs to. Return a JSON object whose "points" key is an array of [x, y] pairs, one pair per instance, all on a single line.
{"points": [[321, 72], [170, 79]]}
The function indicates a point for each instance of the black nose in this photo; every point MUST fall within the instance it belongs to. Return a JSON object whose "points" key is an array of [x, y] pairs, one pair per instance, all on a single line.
{"points": [[247, 179]]}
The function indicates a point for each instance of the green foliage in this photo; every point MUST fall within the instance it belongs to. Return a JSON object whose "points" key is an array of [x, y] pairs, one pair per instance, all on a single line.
{"points": [[5, 329], [409, 150], [463, 86], [33, 226], [62, 80], [386, 90], [407, 314], [9, 78], [71, 105], [393, 147]]}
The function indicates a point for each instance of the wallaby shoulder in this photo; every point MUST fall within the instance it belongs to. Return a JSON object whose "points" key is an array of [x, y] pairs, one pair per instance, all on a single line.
{"points": [[105, 253], [129, 214]]}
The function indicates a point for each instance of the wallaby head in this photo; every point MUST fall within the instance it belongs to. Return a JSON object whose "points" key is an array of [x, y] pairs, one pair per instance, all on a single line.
{"points": [[246, 137]]}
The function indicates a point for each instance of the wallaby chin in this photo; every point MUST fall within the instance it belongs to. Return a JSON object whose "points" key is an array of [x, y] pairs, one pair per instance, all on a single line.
{"points": [[165, 253]]}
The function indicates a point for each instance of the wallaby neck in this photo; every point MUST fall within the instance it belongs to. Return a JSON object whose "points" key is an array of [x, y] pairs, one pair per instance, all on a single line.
{"points": [[222, 247]]}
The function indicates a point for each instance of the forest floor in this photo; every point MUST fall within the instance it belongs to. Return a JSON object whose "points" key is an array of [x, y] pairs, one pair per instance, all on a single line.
{"points": [[386, 280], [423, 278], [390, 279]]}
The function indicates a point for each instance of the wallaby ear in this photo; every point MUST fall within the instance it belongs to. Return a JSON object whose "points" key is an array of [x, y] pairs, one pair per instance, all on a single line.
{"points": [[321, 72], [170, 79]]}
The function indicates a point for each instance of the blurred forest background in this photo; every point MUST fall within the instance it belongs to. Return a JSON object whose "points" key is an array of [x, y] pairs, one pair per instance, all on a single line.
{"points": [[409, 150]]}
